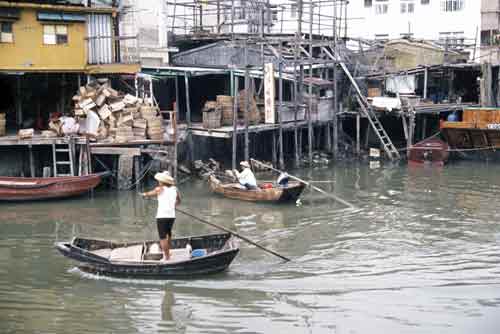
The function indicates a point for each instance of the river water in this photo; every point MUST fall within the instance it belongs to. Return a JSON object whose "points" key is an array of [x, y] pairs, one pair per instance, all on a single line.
{"points": [[421, 254]]}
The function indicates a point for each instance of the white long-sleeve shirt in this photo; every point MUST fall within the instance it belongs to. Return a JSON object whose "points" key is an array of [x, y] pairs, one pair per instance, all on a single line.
{"points": [[246, 177]]}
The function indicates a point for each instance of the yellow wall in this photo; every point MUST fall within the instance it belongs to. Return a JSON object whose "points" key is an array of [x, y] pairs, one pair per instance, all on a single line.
{"points": [[28, 53]]}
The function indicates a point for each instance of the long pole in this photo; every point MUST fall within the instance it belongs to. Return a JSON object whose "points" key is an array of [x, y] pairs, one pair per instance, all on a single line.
{"points": [[338, 199], [233, 233]]}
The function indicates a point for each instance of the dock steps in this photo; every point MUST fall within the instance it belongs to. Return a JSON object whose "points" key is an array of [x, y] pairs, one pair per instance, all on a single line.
{"points": [[389, 148], [63, 159]]}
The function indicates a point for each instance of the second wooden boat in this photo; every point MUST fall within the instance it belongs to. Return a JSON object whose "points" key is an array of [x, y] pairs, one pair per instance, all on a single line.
{"points": [[290, 193], [431, 151], [42, 188]]}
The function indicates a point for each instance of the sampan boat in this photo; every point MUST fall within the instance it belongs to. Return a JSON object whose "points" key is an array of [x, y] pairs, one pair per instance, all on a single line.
{"points": [[432, 151], [289, 193], [210, 254], [41, 188]]}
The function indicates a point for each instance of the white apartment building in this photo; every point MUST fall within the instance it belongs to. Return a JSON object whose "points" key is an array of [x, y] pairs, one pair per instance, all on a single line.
{"points": [[458, 21]]}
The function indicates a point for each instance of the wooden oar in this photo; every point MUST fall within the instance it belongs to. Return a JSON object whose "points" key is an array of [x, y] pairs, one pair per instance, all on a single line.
{"points": [[233, 233], [338, 199]]}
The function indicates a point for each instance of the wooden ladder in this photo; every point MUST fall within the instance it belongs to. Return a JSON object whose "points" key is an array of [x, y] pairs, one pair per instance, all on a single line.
{"points": [[375, 123], [63, 149]]}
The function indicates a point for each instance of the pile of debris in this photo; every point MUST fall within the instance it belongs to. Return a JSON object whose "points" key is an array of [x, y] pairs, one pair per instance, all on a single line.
{"points": [[319, 159], [205, 169], [108, 114]]}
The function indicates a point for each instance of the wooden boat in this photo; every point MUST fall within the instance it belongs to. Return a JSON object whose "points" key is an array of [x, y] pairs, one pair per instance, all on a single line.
{"points": [[432, 151], [142, 260], [275, 193], [41, 188]]}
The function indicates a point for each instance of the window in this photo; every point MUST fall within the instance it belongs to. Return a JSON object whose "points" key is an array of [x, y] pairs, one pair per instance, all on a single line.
{"points": [[424, 2], [490, 37], [368, 3], [452, 5], [381, 7], [55, 34], [293, 9], [452, 39], [275, 15], [382, 37], [406, 35], [240, 12], [407, 6], [6, 32]]}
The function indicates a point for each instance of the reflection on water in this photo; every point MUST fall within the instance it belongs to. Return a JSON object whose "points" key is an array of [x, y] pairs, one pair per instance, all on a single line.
{"points": [[421, 254]]}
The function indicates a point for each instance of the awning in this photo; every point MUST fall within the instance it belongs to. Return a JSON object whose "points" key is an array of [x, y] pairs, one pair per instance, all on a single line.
{"points": [[60, 16], [173, 71]]}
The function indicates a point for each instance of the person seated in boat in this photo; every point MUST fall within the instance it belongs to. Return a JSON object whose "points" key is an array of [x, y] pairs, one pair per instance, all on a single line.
{"points": [[168, 199], [283, 180], [246, 178]]}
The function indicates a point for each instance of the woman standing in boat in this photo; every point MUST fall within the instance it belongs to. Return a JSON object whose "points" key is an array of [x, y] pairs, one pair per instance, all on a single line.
{"points": [[246, 178], [168, 199]]}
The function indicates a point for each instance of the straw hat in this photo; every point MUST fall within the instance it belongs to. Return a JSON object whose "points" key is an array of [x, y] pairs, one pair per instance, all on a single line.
{"points": [[245, 164], [164, 177]]}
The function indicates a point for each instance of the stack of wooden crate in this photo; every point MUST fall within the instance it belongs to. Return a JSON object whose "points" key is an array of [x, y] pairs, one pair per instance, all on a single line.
{"points": [[211, 115], [253, 111], [225, 105], [2, 125], [123, 117]]}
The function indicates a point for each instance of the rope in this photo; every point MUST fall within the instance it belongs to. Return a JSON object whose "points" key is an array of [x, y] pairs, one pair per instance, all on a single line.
{"points": [[494, 148]]}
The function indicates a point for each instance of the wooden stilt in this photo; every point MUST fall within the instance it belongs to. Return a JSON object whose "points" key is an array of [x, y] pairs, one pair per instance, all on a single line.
{"points": [[174, 125], [310, 93], [358, 134], [32, 161], [426, 78], [137, 172], [81, 162], [335, 92], [188, 120], [280, 108], [89, 155], [274, 152], [367, 135], [424, 126], [235, 121], [19, 103], [247, 102], [411, 130]]}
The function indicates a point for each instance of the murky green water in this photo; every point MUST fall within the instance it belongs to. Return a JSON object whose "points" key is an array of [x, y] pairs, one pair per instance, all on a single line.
{"points": [[420, 255]]}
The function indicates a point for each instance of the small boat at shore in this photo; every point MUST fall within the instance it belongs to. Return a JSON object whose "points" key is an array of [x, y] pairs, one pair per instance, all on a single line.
{"points": [[432, 151], [43, 188], [210, 254], [273, 193]]}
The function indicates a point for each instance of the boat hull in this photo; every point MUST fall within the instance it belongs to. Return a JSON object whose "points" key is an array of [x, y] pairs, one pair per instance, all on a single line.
{"points": [[214, 262], [34, 189], [473, 143], [433, 152], [277, 195]]}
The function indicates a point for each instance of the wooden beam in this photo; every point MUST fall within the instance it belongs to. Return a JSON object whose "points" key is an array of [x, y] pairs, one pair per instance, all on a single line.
{"points": [[131, 151]]}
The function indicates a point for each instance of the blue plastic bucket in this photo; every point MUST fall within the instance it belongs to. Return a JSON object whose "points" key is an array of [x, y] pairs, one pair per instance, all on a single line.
{"points": [[198, 252]]}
